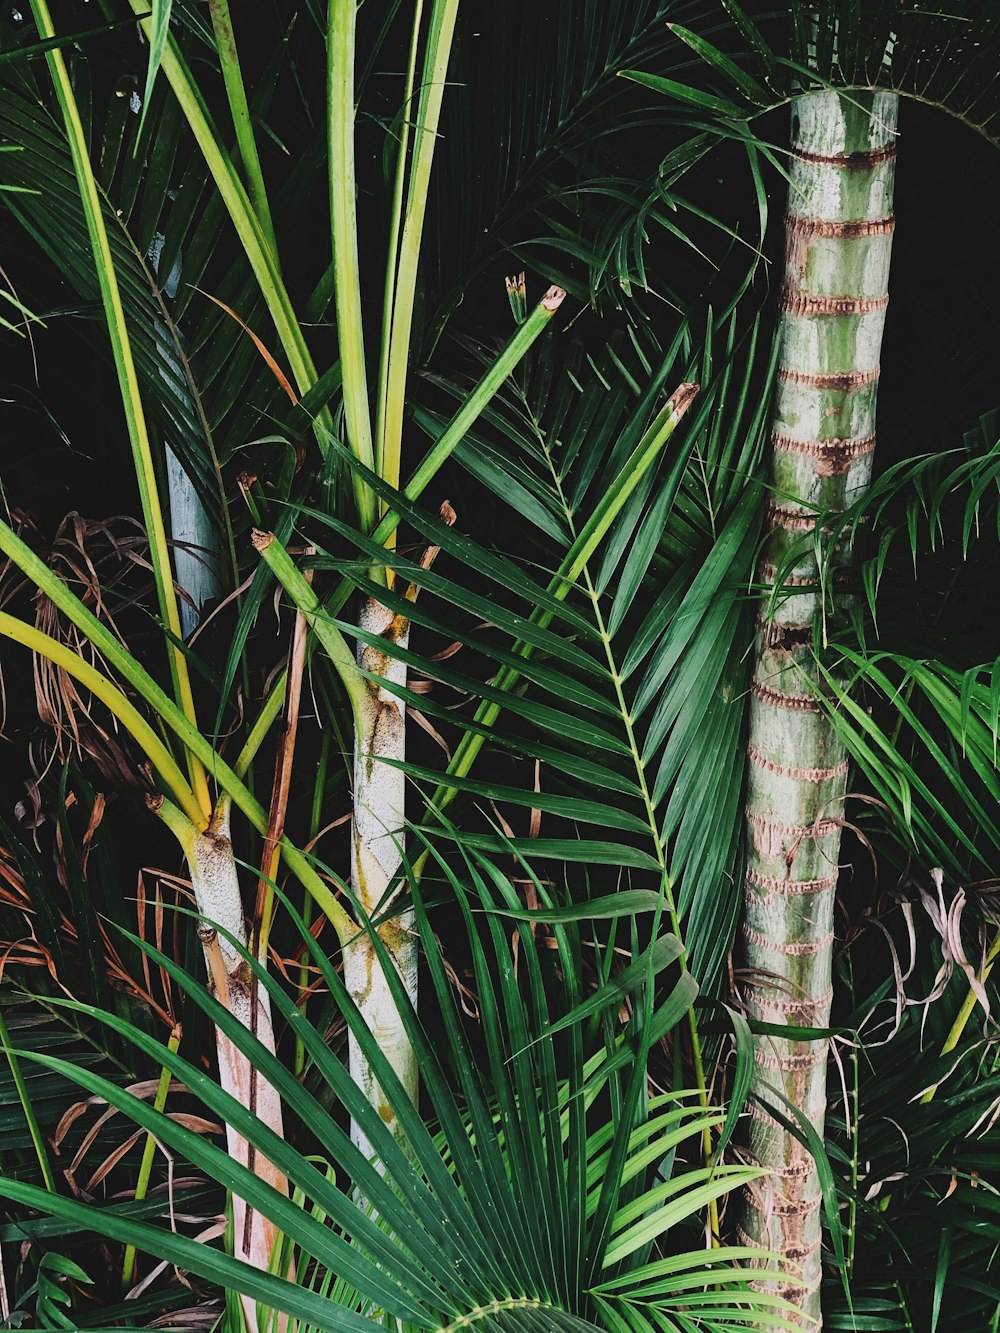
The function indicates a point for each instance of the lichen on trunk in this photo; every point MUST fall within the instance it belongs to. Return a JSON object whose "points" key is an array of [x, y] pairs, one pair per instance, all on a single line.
{"points": [[838, 237]]}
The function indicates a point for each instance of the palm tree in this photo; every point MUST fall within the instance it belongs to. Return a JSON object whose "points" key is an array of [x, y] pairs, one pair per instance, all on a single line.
{"points": [[601, 493], [838, 233], [603, 648]]}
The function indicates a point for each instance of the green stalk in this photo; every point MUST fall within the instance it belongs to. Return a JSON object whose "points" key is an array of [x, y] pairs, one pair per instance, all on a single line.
{"points": [[300, 591], [114, 700], [129, 385], [439, 42], [174, 718], [148, 1154], [244, 218], [478, 400], [344, 225], [34, 1129], [239, 109], [258, 732], [319, 788], [392, 256], [439, 453]]}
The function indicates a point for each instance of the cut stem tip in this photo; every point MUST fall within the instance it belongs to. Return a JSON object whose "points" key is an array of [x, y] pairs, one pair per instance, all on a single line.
{"points": [[682, 398]]}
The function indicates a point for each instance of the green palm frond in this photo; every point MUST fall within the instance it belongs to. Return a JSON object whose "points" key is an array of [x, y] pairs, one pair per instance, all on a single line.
{"points": [[545, 145], [633, 684], [911, 694], [943, 58], [740, 69], [495, 1216]]}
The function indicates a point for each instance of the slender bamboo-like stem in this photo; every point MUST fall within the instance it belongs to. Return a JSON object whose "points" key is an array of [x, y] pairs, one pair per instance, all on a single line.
{"points": [[131, 399], [444, 14], [379, 794], [344, 226], [239, 109], [376, 855], [838, 238], [148, 1154], [214, 878]]}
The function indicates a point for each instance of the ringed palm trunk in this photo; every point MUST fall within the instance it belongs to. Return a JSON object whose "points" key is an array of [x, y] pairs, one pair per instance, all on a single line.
{"points": [[837, 246]]}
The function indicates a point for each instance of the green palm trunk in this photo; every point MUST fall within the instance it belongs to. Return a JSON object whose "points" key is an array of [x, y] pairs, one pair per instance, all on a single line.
{"points": [[838, 238]]}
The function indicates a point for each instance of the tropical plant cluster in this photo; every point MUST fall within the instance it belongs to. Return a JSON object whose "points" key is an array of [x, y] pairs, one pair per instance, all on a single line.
{"points": [[499, 812]]}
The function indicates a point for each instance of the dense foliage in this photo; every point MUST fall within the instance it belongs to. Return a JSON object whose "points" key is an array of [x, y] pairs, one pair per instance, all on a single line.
{"points": [[245, 402]]}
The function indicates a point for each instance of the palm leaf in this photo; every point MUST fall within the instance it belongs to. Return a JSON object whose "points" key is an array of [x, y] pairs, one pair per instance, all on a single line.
{"points": [[511, 1129]]}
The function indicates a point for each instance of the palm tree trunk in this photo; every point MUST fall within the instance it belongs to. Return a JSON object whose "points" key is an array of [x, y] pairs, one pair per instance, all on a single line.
{"points": [[837, 246], [379, 807], [214, 877]]}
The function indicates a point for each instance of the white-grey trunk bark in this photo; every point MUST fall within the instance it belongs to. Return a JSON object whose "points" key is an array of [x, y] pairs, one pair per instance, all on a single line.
{"points": [[217, 893], [379, 815]]}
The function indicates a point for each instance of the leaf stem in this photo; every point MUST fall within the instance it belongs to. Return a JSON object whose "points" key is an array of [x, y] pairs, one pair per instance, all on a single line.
{"points": [[439, 42], [34, 1128], [148, 1153], [342, 24], [300, 591], [239, 109], [129, 384], [392, 256]]}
